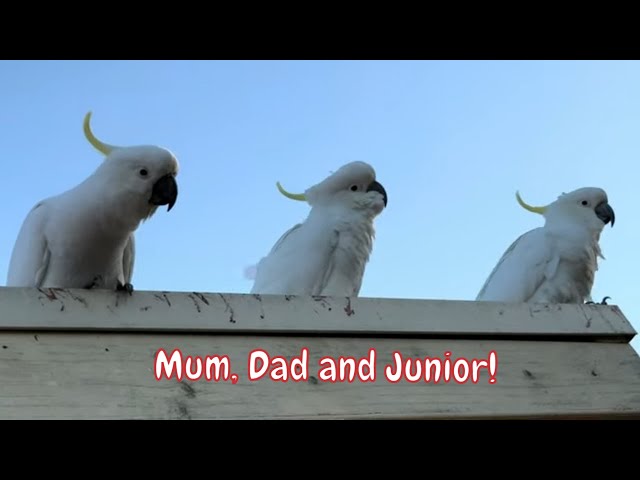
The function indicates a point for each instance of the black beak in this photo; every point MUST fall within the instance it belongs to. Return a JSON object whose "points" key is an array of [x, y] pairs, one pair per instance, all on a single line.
{"points": [[165, 191], [605, 213], [377, 187]]}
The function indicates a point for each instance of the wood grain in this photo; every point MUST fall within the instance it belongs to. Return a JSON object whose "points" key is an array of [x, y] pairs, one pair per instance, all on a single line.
{"points": [[110, 375]]}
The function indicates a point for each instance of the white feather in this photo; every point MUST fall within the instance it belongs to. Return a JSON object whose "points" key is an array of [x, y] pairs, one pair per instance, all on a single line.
{"points": [[327, 253], [84, 237], [527, 263], [555, 263]]}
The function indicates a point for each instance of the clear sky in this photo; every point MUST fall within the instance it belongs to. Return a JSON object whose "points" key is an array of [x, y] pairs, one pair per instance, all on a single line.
{"points": [[451, 141]]}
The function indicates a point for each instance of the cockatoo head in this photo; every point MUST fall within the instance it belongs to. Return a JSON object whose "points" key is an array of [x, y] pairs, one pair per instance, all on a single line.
{"points": [[353, 185], [588, 207], [146, 175]]}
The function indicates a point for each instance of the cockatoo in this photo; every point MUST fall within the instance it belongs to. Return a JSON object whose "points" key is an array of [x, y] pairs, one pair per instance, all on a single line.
{"points": [[328, 252], [555, 263], [84, 237]]}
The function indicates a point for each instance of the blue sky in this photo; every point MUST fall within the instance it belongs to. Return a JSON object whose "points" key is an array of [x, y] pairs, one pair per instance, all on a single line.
{"points": [[451, 141]]}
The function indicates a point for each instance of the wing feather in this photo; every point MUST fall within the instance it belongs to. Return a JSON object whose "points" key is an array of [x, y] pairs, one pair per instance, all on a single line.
{"points": [[300, 262], [128, 259], [521, 270], [31, 256]]}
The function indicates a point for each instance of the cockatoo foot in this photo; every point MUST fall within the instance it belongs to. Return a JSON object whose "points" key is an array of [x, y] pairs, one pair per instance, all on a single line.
{"points": [[127, 287], [603, 302]]}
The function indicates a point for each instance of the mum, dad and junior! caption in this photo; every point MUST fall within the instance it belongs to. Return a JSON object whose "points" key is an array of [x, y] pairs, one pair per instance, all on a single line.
{"points": [[260, 365]]}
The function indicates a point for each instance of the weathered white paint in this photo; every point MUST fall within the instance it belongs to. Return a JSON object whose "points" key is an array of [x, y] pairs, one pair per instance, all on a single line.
{"points": [[90, 375], [49, 309], [90, 354]]}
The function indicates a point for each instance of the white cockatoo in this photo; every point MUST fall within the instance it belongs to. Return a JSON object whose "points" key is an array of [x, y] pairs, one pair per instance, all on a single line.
{"points": [[328, 252], [555, 263], [84, 237]]}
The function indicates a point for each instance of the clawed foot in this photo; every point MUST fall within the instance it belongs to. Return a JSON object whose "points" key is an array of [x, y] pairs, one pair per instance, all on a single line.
{"points": [[603, 302], [127, 287]]}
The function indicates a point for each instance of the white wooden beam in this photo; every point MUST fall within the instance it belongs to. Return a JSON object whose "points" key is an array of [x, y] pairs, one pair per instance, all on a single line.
{"points": [[195, 312], [91, 354], [109, 376]]}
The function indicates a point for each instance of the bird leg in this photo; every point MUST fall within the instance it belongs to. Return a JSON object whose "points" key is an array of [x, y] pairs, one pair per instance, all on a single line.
{"points": [[127, 287]]}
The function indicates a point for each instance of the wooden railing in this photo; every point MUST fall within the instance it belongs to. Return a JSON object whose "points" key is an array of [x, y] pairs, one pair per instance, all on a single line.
{"points": [[96, 354]]}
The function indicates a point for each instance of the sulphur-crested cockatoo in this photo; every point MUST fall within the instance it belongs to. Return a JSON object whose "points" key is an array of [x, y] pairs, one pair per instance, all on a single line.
{"points": [[328, 252], [555, 263], [84, 237]]}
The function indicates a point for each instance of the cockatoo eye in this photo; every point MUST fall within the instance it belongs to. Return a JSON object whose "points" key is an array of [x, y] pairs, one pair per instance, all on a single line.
{"points": [[584, 203], [143, 172], [354, 188]]}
